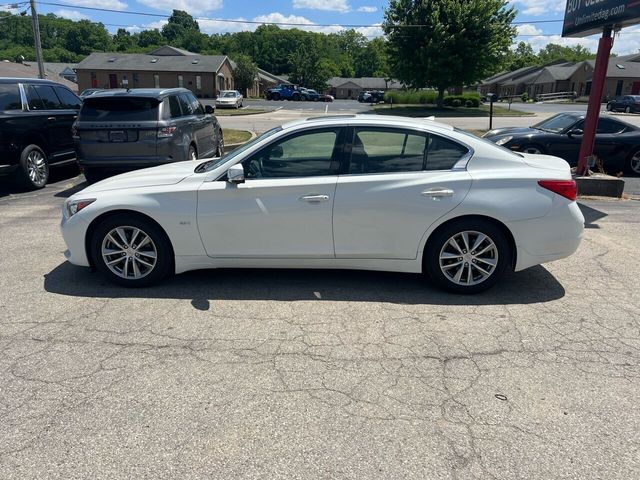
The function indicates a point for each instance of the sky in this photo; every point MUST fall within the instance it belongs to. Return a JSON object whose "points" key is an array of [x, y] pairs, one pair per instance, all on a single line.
{"points": [[317, 15]]}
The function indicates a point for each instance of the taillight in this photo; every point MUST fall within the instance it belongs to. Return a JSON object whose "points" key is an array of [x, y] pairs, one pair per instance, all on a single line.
{"points": [[166, 132], [567, 188]]}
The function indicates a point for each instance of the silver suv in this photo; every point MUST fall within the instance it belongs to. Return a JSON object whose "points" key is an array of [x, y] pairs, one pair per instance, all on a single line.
{"points": [[124, 130]]}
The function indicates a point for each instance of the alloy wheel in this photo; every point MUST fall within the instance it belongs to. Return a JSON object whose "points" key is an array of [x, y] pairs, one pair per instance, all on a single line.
{"points": [[129, 252], [468, 258], [531, 149], [634, 162], [37, 168]]}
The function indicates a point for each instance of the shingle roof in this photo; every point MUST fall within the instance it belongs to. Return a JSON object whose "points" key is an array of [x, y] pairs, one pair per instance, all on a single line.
{"points": [[154, 63], [372, 83], [30, 70], [168, 50], [562, 72], [628, 70]]}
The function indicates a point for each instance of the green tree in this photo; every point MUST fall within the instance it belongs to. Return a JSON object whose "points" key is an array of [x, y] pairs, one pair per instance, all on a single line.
{"points": [[554, 52], [307, 67], [457, 42], [245, 73], [179, 24], [122, 40], [149, 38], [371, 61], [522, 56]]}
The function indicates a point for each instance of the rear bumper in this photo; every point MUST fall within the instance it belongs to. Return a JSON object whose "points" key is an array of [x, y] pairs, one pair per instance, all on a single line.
{"points": [[552, 237]]}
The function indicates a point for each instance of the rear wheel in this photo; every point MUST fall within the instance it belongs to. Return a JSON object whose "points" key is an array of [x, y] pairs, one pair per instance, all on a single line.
{"points": [[627, 110], [295, 97], [34, 169], [275, 96], [467, 256], [609, 107], [220, 145], [131, 251]]}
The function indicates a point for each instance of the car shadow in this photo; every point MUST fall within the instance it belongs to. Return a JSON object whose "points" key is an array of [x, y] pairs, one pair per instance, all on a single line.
{"points": [[8, 185], [591, 216], [534, 285]]}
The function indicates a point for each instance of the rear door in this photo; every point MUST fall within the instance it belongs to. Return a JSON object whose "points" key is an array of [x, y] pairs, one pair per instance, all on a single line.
{"points": [[118, 128], [399, 181], [201, 124]]}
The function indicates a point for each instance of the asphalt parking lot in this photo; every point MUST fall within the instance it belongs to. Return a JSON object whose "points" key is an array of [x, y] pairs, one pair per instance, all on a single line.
{"points": [[316, 374]]}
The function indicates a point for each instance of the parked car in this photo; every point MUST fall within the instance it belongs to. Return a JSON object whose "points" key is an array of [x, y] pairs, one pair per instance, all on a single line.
{"points": [[325, 97], [90, 91], [371, 96], [363, 96], [409, 195], [229, 99], [628, 104], [124, 130], [617, 142], [35, 128], [309, 95], [283, 92]]}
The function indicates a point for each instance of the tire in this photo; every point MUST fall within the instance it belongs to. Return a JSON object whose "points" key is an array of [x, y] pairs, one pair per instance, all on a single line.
{"points": [[532, 148], [220, 145], [609, 107], [633, 162], [295, 98], [136, 267], [441, 260], [192, 154], [627, 110], [33, 171], [275, 96]]}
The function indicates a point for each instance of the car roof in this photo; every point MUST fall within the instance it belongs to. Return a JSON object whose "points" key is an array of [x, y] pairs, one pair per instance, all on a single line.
{"points": [[369, 119], [5, 80], [158, 93]]}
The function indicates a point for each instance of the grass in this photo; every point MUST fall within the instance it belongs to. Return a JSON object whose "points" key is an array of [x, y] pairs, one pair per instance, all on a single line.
{"points": [[230, 112], [427, 111], [235, 136]]}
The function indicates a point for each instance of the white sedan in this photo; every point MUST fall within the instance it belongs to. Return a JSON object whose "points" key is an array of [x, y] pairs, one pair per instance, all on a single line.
{"points": [[356, 192], [229, 98]]}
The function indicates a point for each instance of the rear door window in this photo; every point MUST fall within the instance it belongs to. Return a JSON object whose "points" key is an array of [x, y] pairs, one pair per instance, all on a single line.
{"points": [[380, 150], [172, 107], [33, 99], [10, 97], [120, 109], [48, 96], [443, 154]]}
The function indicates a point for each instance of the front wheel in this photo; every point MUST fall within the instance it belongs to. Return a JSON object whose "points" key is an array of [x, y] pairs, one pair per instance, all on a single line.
{"points": [[535, 149], [192, 154], [131, 251], [627, 110], [633, 163], [220, 145], [34, 169], [467, 256]]}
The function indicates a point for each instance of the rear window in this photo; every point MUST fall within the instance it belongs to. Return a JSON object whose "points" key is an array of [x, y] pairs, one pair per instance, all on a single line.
{"points": [[10, 97], [119, 109]]}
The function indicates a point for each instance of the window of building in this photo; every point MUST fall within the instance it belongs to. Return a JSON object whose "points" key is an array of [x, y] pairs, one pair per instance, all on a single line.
{"points": [[136, 80], [94, 80], [198, 82], [156, 80], [619, 88], [180, 81]]}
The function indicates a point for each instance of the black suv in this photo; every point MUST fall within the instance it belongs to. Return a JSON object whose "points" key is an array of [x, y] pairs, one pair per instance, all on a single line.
{"points": [[35, 128], [123, 130], [628, 103]]}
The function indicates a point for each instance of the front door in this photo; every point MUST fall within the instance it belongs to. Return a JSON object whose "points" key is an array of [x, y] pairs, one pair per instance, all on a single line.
{"points": [[398, 183], [113, 80], [284, 208], [635, 88]]}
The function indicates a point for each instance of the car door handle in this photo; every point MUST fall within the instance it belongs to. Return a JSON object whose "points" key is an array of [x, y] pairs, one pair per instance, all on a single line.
{"points": [[314, 198], [437, 192], [51, 119]]}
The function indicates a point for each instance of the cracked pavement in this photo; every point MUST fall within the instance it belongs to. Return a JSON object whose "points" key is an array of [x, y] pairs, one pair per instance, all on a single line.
{"points": [[317, 374]]}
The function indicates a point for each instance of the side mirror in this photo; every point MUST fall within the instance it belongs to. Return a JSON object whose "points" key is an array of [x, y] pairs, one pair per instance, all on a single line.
{"points": [[576, 131], [235, 174], [209, 110]]}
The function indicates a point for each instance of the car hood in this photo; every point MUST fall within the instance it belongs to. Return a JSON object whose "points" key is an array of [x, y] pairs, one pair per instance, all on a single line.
{"points": [[168, 174], [501, 132]]}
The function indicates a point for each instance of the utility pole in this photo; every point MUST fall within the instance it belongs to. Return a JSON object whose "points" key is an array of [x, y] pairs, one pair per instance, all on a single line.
{"points": [[36, 36]]}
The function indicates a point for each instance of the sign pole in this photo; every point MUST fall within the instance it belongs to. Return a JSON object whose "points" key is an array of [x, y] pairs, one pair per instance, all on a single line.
{"points": [[595, 100]]}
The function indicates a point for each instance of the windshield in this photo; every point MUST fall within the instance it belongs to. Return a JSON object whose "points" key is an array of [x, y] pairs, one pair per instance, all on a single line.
{"points": [[228, 94], [557, 123], [215, 163]]}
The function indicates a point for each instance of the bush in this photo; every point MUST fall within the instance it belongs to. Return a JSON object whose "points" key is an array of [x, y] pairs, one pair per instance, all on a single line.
{"points": [[468, 104], [412, 97], [525, 97], [473, 98]]}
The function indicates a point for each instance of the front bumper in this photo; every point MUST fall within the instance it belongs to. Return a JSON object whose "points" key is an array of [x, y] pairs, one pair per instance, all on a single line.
{"points": [[74, 231]]}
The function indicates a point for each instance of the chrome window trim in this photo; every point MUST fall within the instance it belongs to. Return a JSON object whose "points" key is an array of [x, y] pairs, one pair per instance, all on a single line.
{"points": [[23, 97]]}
